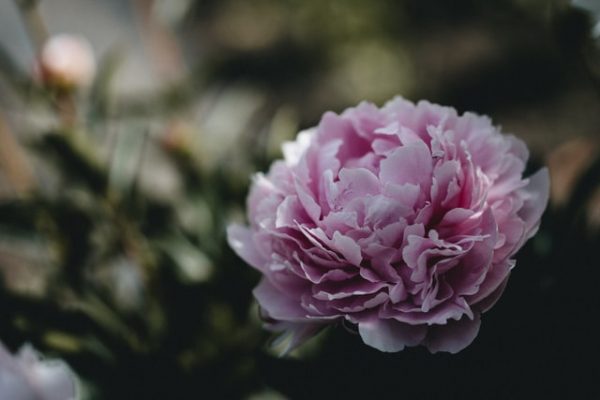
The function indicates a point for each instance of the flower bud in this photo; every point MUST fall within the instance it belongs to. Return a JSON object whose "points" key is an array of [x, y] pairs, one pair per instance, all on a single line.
{"points": [[67, 62]]}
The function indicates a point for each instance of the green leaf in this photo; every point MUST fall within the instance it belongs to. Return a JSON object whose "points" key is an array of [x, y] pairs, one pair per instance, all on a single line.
{"points": [[72, 162]]}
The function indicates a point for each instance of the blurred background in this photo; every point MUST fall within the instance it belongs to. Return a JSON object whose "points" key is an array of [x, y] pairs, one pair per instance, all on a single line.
{"points": [[119, 176]]}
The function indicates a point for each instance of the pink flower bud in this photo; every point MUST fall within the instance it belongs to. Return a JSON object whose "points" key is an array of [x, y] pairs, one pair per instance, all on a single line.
{"points": [[67, 61]]}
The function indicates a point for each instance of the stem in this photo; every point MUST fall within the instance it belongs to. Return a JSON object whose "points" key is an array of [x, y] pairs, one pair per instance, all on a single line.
{"points": [[140, 161], [12, 160], [65, 106]]}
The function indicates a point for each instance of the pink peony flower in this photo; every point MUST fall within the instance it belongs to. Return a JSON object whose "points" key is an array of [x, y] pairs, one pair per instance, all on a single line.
{"points": [[402, 220], [26, 377]]}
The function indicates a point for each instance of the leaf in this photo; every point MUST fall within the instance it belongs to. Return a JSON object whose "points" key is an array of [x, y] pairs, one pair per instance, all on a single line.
{"points": [[72, 162], [100, 92]]}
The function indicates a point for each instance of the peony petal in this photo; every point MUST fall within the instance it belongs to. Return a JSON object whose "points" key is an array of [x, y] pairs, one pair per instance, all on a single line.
{"points": [[454, 336], [406, 194], [538, 191], [53, 379], [293, 151], [342, 221], [389, 129], [398, 293], [278, 305], [355, 182], [341, 290], [444, 179], [489, 301], [382, 211], [381, 264], [318, 275], [408, 164], [406, 312], [348, 248], [288, 212], [13, 380], [241, 240], [390, 336], [366, 118], [308, 202], [28, 376], [391, 234], [384, 146], [359, 304], [494, 278], [319, 239]]}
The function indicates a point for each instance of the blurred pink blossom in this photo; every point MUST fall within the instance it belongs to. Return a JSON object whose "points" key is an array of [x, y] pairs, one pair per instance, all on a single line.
{"points": [[26, 376], [67, 61]]}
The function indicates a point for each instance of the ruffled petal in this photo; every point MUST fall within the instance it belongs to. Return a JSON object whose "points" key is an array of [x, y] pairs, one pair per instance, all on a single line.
{"points": [[278, 305], [454, 336], [241, 240], [536, 200], [390, 336]]}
